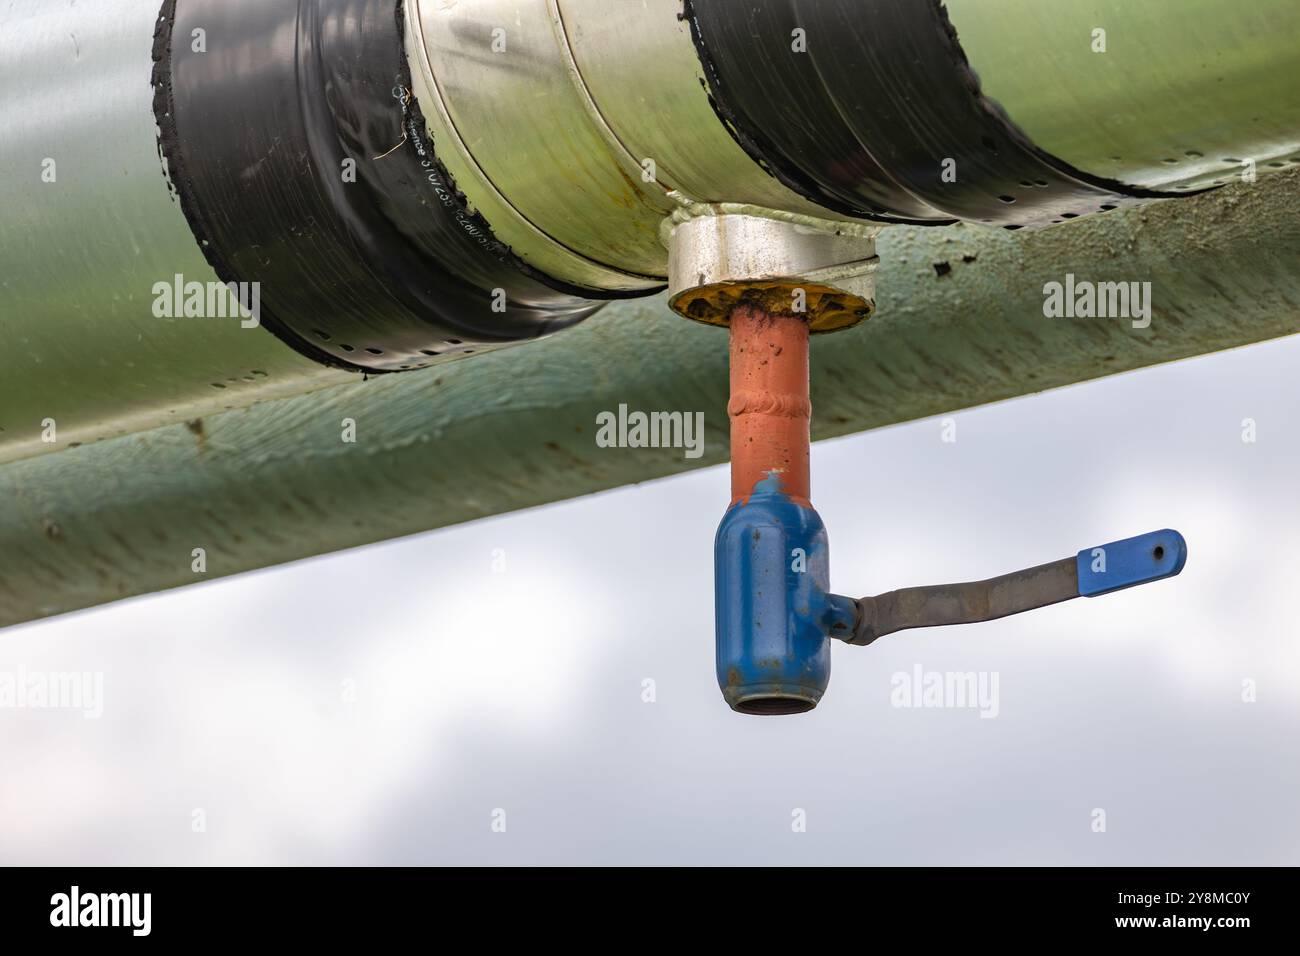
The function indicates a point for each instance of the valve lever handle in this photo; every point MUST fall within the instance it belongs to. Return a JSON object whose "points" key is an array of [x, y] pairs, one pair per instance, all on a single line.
{"points": [[1091, 573]]}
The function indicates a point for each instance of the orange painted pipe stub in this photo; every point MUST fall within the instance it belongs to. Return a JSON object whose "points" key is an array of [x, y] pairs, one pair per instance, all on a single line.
{"points": [[769, 409]]}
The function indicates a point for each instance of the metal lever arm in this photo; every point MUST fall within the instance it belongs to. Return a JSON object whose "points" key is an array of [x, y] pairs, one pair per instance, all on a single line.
{"points": [[1092, 572]]}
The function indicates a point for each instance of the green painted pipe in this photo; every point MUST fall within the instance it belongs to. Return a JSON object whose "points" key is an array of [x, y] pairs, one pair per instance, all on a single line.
{"points": [[960, 323]]}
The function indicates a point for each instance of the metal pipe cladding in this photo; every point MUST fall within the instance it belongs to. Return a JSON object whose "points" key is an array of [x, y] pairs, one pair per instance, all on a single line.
{"points": [[393, 184]]}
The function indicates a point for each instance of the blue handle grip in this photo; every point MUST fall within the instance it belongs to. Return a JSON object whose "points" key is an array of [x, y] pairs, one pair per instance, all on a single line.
{"points": [[1123, 564]]}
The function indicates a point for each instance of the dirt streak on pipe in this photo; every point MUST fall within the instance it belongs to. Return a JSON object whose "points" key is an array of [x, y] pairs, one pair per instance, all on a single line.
{"points": [[769, 408]]}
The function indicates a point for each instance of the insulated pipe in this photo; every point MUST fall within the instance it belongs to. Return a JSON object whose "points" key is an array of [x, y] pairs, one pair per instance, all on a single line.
{"points": [[87, 226], [896, 121], [152, 151], [1170, 95], [303, 164], [523, 175]]}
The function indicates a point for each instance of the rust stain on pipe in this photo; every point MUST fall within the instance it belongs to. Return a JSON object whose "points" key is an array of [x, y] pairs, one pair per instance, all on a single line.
{"points": [[769, 408]]}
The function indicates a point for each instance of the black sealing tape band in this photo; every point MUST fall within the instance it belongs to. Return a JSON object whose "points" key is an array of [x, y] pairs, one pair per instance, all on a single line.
{"points": [[879, 114], [302, 164], [777, 109]]}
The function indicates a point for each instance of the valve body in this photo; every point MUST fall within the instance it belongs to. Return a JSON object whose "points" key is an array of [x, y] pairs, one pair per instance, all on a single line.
{"points": [[771, 555], [771, 577]]}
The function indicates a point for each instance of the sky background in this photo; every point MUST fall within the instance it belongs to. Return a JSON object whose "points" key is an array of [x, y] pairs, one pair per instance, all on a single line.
{"points": [[391, 730]]}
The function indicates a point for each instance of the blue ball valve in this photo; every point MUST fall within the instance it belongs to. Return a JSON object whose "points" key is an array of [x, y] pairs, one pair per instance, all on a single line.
{"points": [[774, 608], [775, 613]]}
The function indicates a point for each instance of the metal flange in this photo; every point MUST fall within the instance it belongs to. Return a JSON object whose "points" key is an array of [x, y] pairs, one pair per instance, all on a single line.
{"points": [[724, 256]]}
